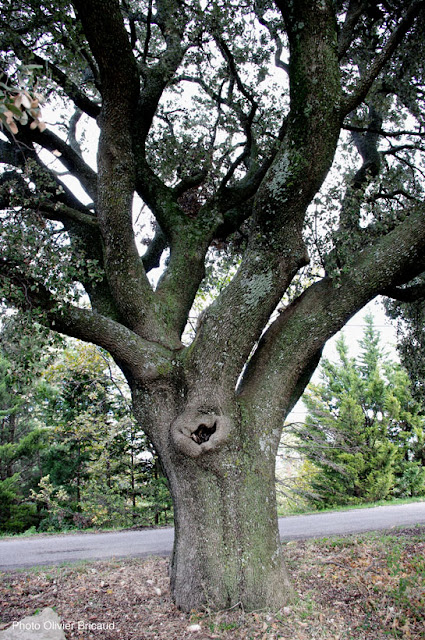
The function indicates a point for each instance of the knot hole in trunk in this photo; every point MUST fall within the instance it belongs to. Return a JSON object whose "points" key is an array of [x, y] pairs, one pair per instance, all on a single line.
{"points": [[203, 433], [196, 432]]}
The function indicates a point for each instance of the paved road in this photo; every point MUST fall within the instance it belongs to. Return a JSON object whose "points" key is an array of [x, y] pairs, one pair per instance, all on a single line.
{"points": [[45, 550]]}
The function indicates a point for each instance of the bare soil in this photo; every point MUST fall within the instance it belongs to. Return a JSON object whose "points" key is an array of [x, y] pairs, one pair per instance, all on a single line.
{"points": [[368, 587]]}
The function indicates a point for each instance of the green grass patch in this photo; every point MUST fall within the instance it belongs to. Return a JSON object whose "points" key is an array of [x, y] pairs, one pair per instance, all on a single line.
{"points": [[301, 510]]}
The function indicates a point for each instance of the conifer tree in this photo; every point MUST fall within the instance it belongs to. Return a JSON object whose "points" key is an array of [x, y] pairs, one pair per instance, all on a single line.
{"points": [[364, 431], [21, 440]]}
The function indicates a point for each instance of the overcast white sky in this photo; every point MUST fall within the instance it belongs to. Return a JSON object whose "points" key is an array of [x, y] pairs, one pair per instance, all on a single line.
{"points": [[353, 332]]}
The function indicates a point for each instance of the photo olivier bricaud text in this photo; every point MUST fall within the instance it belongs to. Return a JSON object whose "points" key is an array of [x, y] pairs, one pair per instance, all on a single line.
{"points": [[46, 625]]}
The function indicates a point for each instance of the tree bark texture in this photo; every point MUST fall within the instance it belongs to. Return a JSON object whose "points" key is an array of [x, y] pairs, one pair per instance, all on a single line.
{"points": [[221, 473]]}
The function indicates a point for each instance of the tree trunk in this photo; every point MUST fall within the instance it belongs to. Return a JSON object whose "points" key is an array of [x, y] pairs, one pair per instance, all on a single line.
{"points": [[227, 549], [222, 478]]}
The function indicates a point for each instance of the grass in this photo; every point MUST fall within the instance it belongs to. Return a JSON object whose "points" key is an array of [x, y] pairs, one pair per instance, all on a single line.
{"points": [[292, 510], [72, 531]]}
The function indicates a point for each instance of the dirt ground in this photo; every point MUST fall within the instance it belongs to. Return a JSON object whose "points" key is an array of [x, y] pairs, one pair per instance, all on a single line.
{"points": [[367, 587]]}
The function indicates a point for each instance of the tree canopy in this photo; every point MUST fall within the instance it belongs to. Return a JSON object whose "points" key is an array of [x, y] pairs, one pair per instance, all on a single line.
{"points": [[223, 120]]}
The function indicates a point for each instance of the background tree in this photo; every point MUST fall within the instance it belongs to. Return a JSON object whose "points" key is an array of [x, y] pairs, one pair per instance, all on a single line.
{"points": [[97, 457], [71, 453], [364, 431], [22, 434], [237, 162]]}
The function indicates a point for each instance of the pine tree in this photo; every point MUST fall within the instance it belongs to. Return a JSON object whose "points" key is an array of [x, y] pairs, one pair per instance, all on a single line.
{"points": [[363, 432], [21, 440]]}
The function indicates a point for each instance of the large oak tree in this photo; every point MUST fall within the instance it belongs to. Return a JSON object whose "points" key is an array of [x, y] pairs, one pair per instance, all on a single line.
{"points": [[224, 119]]}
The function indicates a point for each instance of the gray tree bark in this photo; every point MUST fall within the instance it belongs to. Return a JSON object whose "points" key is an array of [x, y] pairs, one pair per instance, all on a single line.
{"points": [[221, 472]]}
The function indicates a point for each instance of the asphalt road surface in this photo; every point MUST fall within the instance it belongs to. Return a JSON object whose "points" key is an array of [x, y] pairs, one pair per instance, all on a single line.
{"points": [[51, 549]]}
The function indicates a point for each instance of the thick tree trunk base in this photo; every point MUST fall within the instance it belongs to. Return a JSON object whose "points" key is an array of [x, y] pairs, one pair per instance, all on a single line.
{"points": [[221, 472], [227, 550]]}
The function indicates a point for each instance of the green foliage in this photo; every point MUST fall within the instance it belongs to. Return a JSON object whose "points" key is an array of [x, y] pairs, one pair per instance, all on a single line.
{"points": [[53, 504], [364, 432], [15, 515], [20, 104], [71, 455], [410, 480], [410, 319], [21, 440], [96, 460]]}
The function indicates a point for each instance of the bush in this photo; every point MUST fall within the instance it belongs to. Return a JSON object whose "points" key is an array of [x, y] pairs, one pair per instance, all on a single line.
{"points": [[410, 480]]}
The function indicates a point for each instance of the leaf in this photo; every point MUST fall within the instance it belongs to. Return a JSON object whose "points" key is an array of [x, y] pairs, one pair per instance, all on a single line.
{"points": [[25, 100], [17, 101], [12, 126], [194, 628], [13, 111], [33, 67]]}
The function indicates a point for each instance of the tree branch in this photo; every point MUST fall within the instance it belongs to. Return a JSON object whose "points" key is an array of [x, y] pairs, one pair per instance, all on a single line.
{"points": [[172, 23], [51, 211], [414, 293], [62, 79], [20, 153], [152, 257], [274, 32], [227, 54], [68, 156], [108, 39], [72, 131], [148, 33], [276, 248], [82, 229], [324, 308], [142, 358], [63, 213], [367, 146], [346, 35], [190, 238], [189, 182], [353, 100], [382, 132]]}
